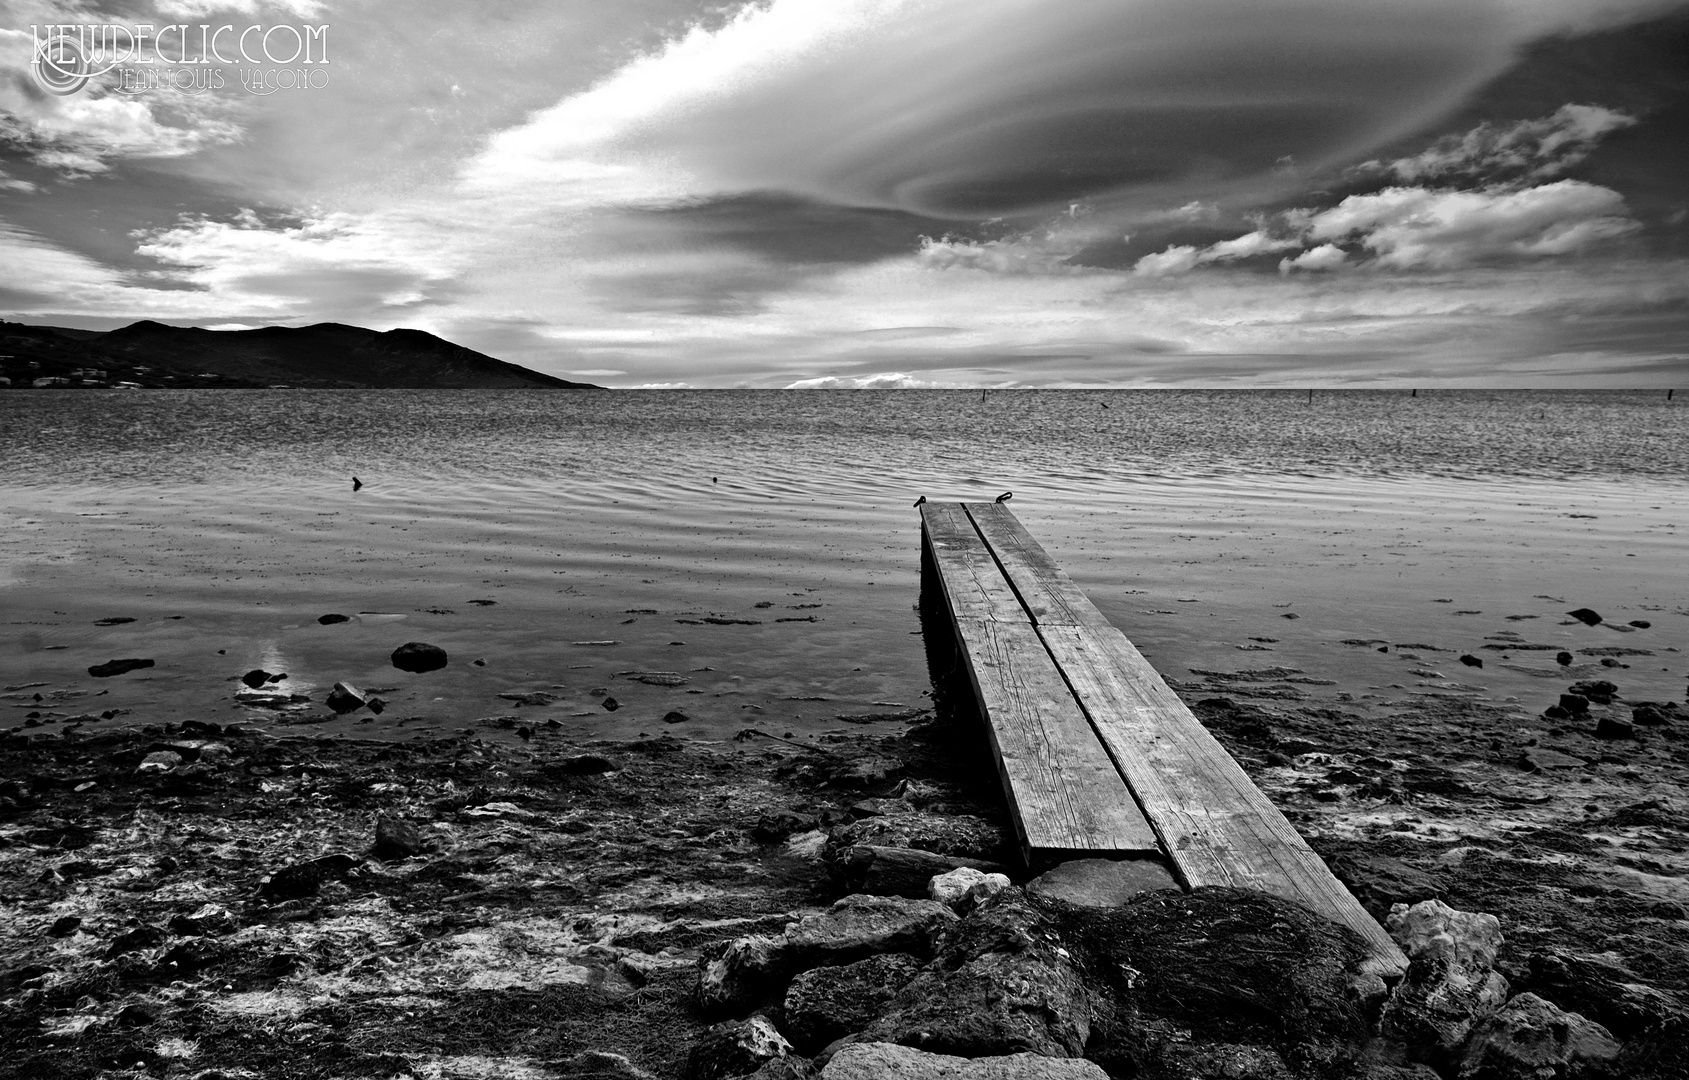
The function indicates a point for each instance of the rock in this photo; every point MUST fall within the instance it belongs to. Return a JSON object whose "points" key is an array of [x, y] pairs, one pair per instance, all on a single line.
{"points": [[675, 716], [1471, 661], [376, 705], [1380, 882], [1640, 624], [1599, 691], [1564, 659], [1605, 991], [396, 838], [610, 704], [857, 927], [779, 824], [790, 1067], [1555, 712], [601, 1065], [1451, 981], [1585, 616], [888, 1061], [1574, 704], [417, 657], [734, 1049], [1102, 883], [827, 1003], [117, 667], [65, 926], [585, 765], [207, 919], [255, 678], [749, 970], [944, 834], [965, 888], [757, 968], [159, 761], [304, 879], [890, 871], [1538, 758], [1610, 728], [1653, 713], [1532, 1039], [345, 698], [330, 620], [1608, 661], [141, 937], [138, 1015], [865, 772]]}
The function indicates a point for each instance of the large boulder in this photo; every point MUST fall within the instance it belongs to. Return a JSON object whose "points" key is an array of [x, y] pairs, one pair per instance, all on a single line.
{"points": [[1533, 1039], [1451, 982], [888, 1061]]}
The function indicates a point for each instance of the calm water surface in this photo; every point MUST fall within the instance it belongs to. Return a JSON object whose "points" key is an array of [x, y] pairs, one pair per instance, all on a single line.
{"points": [[514, 527]]}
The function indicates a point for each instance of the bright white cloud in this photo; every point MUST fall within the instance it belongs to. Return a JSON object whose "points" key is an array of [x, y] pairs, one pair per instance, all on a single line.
{"points": [[1183, 258], [1418, 228], [885, 380], [1324, 257], [966, 108]]}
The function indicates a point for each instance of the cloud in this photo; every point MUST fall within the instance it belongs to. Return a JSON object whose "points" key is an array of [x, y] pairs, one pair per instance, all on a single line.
{"points": [[80, 134], [1528, 150], [886, 380], [972, 108], [1423, 228], [1324, 257], [1183, 258]]}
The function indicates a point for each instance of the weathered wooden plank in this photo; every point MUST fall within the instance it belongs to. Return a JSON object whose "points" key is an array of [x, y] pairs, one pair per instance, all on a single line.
{"points": [[1044, 588], [973, 583], [1066, 795], [1214, 823]]}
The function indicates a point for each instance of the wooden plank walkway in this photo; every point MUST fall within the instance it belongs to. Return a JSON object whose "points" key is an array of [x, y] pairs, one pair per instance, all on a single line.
{"points": [[1060, 685]]}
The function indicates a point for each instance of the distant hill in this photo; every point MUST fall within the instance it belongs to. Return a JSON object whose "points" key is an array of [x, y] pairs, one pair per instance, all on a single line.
{"points": [[327, 355]]}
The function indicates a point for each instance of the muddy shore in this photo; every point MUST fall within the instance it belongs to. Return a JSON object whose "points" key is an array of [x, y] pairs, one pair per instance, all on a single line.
{"points": [[193, 900]]}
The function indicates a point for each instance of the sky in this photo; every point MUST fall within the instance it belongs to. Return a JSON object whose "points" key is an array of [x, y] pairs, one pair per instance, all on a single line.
{"points": [[877, 193]]}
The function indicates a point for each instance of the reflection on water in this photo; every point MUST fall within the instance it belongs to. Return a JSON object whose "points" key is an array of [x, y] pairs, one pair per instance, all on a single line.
{"points": [[685, 526]]}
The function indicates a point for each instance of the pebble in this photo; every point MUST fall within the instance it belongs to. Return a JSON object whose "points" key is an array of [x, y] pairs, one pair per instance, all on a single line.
{"points": [[1471, 661], [675, 716], [345, 698]]}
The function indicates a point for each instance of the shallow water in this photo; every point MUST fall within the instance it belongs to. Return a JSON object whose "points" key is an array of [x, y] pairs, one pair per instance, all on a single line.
{"points": [[225, 520]]}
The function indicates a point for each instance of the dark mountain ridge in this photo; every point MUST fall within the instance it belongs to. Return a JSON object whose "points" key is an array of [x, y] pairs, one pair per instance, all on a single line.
{"points": [[326, 355]]}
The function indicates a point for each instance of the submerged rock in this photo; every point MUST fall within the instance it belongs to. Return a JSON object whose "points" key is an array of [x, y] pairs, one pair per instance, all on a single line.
{"points": [[255, 678], [345, 698], [118, 667], [418, 657]]}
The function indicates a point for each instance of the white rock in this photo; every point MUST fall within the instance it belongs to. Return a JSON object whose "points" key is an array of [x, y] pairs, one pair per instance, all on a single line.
{"points": [[965, 887]]}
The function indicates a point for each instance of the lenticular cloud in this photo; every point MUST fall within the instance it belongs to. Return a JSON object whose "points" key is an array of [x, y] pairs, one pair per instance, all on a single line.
{"points": [[1015, 107]]}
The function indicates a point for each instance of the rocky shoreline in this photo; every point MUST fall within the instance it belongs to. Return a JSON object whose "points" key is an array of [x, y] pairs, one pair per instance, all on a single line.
{"points": [[192, 900]]}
